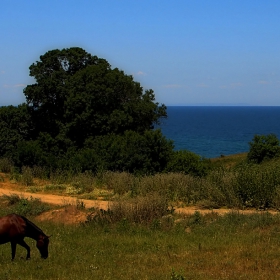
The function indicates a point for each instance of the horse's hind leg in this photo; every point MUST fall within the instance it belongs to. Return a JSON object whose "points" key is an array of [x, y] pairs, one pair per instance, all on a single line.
{"points": [[13, 247], [23, 244]]}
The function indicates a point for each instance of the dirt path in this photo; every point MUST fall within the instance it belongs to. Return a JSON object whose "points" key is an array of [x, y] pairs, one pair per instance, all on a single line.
{"points": [[100, 204], [57, 199]]}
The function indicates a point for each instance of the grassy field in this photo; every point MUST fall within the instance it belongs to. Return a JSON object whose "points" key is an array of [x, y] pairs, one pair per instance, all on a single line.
{"points": [[234, 246], [141, 238]]}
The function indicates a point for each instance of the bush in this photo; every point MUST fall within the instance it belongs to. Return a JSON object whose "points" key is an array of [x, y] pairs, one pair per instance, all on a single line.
{"points": [[132, 152], [263, 147], [142, 210], [188, 163], [139, 210], [25, 206], [257, 185], [120, 182], [28, 153]]}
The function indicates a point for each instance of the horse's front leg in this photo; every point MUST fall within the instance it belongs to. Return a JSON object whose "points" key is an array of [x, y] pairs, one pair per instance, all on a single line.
{"points": [[13, 247], [23, 244]]}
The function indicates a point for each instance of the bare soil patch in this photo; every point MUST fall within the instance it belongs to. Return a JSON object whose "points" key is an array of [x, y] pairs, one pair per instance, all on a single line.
{"points": [[66, 215]]}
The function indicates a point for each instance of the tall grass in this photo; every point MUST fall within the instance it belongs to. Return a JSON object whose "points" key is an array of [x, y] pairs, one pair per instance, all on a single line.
{"points": [[242, 185]]}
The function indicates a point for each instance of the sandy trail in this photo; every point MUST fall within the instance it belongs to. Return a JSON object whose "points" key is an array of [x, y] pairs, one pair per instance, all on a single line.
{"points": [[57, 199], [101, 204]]}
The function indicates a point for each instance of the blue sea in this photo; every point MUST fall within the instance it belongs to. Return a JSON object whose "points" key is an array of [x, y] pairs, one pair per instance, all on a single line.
{"points": [[211, 131]]}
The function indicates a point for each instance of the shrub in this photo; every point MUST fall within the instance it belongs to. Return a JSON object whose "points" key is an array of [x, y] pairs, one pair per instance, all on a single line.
{"points": [[6, 165], [257, 185], [139, 210], [188, 163], [25, 206], [11, 199], [28, 153], [119, 182], [142, 209], [263, 147], [145, 153]]}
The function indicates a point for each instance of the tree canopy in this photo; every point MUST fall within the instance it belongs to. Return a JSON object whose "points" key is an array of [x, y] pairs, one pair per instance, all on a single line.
{"points": [[77, 96], [80, 114]]}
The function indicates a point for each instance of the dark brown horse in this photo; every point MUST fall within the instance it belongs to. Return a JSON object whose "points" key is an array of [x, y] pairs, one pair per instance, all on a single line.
{"points": [[14, 228]]}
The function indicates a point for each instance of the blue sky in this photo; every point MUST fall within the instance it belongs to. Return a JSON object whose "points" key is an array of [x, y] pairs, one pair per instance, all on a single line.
{"points": [[190, 52]]}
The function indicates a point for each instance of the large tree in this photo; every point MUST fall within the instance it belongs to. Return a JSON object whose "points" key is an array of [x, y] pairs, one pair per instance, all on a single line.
{"points": [[78, 96]]}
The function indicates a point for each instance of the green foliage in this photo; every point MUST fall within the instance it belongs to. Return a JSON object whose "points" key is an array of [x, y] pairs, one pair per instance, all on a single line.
{"points": [[77, 96], [6, 165], [145, 153], [24, 206], [188, 163], [11, 199], [257, 185], [121, 182], [263, 147], [15, 126]]}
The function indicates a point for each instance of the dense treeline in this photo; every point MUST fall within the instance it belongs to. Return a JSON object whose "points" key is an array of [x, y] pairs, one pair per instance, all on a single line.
{"points": [[80, 114]]}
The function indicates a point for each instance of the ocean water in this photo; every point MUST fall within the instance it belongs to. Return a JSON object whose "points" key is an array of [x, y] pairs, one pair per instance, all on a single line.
{"points": [[211, 131]]}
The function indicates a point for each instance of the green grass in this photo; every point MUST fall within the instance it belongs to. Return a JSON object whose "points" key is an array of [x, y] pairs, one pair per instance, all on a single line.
{"points": [[231, 247]]}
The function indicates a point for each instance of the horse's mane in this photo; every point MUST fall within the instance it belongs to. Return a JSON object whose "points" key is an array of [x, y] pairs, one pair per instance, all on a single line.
{"points": [[32, 225]]}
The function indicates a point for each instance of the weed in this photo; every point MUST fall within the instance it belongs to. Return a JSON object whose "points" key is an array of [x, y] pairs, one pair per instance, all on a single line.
{"points": [[11, 199], [27, 176], [176, 276], [80, 204], [58, 187]]}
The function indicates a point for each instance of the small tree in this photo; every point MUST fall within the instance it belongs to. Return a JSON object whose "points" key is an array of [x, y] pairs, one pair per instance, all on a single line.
{"points": [[263, 147]]}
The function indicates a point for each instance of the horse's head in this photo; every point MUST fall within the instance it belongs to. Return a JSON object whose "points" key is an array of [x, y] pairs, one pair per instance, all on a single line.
{"points": [[42, 245]]}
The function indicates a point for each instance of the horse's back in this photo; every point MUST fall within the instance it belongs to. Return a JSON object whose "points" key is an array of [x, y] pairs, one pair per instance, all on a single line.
{"points": [[12, 226]]}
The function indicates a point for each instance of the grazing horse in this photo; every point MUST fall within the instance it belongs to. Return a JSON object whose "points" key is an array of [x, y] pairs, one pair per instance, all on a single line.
{"points": [[14, 228]]}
